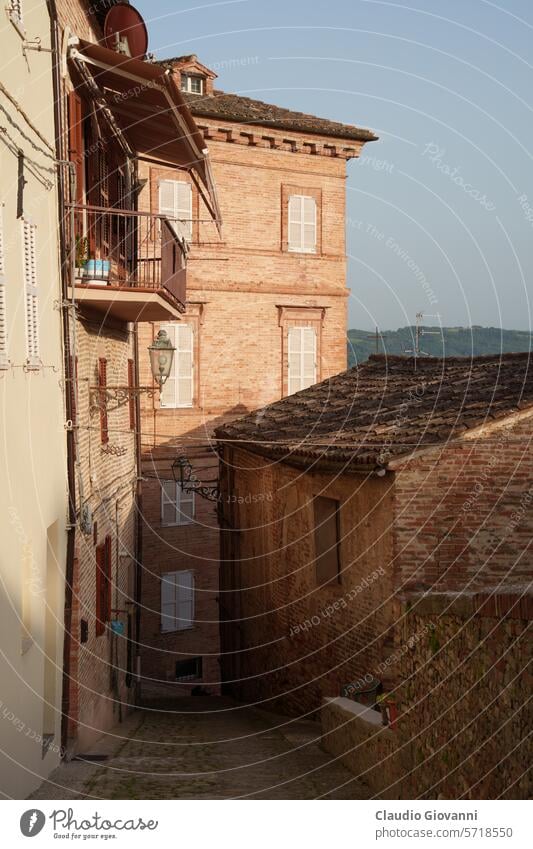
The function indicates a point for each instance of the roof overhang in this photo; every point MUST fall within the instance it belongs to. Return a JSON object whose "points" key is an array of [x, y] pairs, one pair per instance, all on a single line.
{"points": [[149, 109]]}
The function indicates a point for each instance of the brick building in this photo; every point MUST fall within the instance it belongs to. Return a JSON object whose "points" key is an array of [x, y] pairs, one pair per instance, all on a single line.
{"points": [[399, 478], [265, 317], [121, 267]]}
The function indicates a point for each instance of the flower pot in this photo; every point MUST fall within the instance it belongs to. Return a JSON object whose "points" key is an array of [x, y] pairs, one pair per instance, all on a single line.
{"points": [[96, 272]]}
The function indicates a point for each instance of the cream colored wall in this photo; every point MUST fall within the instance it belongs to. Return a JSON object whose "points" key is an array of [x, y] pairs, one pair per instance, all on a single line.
{"points": [[33, 446]]}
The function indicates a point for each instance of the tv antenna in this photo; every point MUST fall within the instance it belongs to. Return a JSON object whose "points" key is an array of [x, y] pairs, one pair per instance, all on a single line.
{"points": [[419, 332]]}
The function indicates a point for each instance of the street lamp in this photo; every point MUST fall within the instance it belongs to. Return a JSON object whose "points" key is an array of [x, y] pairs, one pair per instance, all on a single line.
{"points": [[161, 356]]}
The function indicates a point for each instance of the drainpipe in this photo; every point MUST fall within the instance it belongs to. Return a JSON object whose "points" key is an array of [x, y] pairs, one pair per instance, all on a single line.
{"points": [[71, 527], [138, 524]]}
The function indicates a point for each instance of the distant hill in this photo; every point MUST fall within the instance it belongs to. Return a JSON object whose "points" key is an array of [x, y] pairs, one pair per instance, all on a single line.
{"points": [[440, 342]]}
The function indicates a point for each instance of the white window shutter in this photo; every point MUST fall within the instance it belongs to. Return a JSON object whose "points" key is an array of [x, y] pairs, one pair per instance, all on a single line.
{"points": [[183, 359], [168, 602], [302, 224], [31, 292], [175, 201], [185, 506], [168, 391], [168, 502], [177, 600], [3, 317], [301, 358]]}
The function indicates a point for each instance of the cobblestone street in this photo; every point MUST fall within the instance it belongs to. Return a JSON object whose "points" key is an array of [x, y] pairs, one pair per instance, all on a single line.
{"points": [[209, 749]]}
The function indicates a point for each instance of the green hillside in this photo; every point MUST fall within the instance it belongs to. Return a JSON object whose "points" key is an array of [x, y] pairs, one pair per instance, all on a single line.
{"points": [[439, 342]]}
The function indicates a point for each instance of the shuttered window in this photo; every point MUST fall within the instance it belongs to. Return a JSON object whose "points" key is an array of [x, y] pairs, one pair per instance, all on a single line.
{"points": [[103, 585], [178, 390], [102, 399], [177, 506], [3, 316], [302, 224], [175, 201], [177, 601], [327, 540], [31, 292], [302, 358]]}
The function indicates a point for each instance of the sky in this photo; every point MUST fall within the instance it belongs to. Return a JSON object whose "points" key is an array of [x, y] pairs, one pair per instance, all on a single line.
{"points": [[440, 209]]}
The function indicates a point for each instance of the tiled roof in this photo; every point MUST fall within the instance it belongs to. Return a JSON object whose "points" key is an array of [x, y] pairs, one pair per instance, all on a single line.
{"points": [[385, 409], [244, 110]]}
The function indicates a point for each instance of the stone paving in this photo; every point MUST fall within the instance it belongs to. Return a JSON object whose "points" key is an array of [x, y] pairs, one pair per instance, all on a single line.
{"points": [[210, 748]]}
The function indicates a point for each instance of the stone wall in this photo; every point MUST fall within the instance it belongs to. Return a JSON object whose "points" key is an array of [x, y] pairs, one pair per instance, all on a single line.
{"points": [[462, 697]]}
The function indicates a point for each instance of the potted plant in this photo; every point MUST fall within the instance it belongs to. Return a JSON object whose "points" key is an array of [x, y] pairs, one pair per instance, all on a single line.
{"points": [[96, 271], [81, 255]]}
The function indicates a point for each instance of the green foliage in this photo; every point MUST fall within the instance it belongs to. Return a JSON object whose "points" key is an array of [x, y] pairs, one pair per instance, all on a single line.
{"points": [[443, 342]]}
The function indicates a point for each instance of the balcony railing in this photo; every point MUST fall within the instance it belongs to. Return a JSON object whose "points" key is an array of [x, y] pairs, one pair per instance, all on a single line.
{"points": [[124, 249]]}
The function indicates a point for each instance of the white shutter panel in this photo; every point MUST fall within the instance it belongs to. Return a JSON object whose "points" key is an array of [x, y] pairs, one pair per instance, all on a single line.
{"points": [[295, 223], [308, 357], [184, 599], [302, 358], [309, 225], [31, 292], [175, 201], [185, 506], [168, 602], [3, 317], [168, 392], [168, 502], [184, 365]]}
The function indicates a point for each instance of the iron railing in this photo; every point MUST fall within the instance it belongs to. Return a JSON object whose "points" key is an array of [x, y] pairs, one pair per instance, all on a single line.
{"points": [[127, 249]]}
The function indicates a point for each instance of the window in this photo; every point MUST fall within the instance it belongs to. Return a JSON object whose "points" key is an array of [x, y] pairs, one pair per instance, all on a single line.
{"points": [[192, 83], [302, 358], [103, 585], [327, 540], [175, 201], [177, 601], [189, 669], [102, 400], [31, 293], [177, 506], [302, 224], [177, 391], [3, 317]]}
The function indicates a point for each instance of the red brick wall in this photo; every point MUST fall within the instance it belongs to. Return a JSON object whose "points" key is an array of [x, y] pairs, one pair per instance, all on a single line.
{"points": [[243, 292]]}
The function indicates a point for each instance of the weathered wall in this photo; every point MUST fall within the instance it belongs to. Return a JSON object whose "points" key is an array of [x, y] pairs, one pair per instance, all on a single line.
{"points": [[463, 685], [243, 293], [299, 641]]}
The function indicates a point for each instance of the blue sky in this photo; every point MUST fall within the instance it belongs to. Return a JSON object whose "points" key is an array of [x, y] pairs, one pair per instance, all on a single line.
{"points": [[440, 210]]}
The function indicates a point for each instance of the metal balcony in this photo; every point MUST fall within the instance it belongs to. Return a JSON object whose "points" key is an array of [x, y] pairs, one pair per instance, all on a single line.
{"points": [[128, 265]]}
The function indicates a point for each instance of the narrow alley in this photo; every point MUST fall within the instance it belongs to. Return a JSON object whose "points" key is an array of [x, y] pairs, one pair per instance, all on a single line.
{"points": [[206, 748]]}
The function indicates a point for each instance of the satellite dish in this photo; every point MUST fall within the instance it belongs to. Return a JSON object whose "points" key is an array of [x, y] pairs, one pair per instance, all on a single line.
{"points": [[125, 31]]}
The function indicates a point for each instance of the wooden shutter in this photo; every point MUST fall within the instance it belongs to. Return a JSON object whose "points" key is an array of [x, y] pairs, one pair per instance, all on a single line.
{"points": [[178, 391], [327, 537], [131, 397], [31, 292], [100, 584], [184, 506], [302, 224], [102, 399], [175, 201], [76, 152], [301, 358], [3, 317], [168, 602]]}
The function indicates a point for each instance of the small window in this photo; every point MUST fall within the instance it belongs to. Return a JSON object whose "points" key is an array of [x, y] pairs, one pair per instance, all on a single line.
{"points": [[189, 669], [177, 601], [177, 506], [178, 389], [192, 83], [301, 358], [302, 224], [327, 540]]}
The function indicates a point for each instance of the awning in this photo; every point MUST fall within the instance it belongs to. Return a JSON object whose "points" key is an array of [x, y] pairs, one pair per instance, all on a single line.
{"points": [[150, 111]]}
